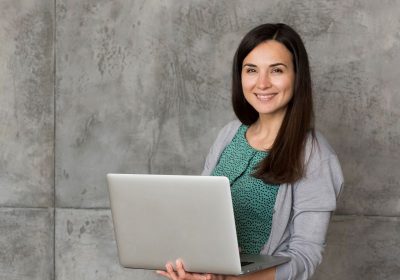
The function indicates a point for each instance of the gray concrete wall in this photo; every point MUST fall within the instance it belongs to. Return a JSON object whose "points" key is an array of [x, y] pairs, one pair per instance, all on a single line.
{"points": [[90, 87]]}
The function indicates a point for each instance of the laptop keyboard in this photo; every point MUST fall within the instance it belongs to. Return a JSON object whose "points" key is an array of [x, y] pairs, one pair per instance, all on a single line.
{"points": [[245, 263]]}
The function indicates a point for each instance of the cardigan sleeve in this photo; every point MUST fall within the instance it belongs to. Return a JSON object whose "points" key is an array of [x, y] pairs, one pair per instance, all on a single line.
{"points": [[314, 200]]}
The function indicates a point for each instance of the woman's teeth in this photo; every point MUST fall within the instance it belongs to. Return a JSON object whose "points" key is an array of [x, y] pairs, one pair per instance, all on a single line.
{"points": [[265, 97]]}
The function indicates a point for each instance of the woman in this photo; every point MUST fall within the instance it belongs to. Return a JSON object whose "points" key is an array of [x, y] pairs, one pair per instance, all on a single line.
{"points": [[284, 176]]}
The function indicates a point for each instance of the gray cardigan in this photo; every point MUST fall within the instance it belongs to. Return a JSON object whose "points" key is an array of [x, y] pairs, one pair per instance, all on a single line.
{"points": [[302, 210]]}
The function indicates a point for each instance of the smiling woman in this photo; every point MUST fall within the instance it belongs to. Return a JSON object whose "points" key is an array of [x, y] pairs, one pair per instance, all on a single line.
{"points": [[284, 176]]}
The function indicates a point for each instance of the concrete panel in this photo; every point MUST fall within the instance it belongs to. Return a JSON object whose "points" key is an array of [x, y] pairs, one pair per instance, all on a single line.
{"points": [[355, 66], [26, 244], [361, 248], [137, 91], [26, 98], [86, 248]]}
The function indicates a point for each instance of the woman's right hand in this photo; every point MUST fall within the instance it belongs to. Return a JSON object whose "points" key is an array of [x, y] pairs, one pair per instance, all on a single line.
{"points": [[182, 274]]}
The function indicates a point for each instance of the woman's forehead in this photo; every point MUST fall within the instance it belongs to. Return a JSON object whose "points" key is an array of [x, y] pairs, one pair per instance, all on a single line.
{"points": [[269, 52]]}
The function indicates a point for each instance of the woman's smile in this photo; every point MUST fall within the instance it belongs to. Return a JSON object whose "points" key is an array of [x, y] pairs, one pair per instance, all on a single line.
{"points": [[265, 97]]}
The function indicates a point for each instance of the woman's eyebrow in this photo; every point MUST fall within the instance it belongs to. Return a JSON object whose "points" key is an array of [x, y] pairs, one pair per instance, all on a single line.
{"points": [[272, 65], [249, 65], [278, 64]]}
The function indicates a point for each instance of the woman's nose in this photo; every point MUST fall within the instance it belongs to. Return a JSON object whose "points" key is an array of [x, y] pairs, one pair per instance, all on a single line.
{"points": [[263, 81]]}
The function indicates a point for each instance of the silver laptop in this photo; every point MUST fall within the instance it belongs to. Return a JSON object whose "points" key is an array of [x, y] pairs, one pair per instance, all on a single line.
{"points": [[160, 218]]}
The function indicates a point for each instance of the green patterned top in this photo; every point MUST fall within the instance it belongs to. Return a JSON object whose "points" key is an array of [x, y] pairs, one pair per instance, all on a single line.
{"points": [[253, 200]]}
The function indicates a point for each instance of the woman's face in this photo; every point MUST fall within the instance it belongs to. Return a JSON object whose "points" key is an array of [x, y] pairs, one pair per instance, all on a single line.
{"points": [[268, 78]]}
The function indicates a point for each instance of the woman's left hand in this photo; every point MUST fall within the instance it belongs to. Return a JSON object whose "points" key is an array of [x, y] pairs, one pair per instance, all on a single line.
{"points": [[181, 274]]}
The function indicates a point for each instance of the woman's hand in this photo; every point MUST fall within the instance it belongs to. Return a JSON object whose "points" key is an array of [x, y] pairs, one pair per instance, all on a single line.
{"points": [[181, 274]]}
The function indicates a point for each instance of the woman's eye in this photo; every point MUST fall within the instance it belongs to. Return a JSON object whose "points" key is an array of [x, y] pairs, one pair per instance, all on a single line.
{"points": [[277, 70], [250, 70]]}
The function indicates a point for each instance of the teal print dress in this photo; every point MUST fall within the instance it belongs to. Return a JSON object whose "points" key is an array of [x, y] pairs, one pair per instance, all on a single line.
{"points": [[253, 200]]}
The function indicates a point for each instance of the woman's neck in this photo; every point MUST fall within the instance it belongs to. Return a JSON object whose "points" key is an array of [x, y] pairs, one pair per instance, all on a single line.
{"points": [[261, 134]]}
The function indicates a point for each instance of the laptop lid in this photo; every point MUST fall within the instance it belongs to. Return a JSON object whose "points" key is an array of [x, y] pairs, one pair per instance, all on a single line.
{"points": [[160, 218]]}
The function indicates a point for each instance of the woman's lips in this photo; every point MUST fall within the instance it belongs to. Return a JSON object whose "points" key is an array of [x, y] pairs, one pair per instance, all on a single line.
{"points": [[265, 96]]}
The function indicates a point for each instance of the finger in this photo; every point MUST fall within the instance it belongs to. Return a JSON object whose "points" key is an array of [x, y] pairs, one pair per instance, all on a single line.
{"points": [[183, 274], [163, 273], [180, 269], [171, 272]]}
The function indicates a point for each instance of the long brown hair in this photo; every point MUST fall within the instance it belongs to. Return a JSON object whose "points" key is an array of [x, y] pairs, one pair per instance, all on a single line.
{"points": [[285, 160]]}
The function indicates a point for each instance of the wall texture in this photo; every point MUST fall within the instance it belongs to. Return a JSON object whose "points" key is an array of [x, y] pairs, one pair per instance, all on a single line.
{"points": [[90, 87]]}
